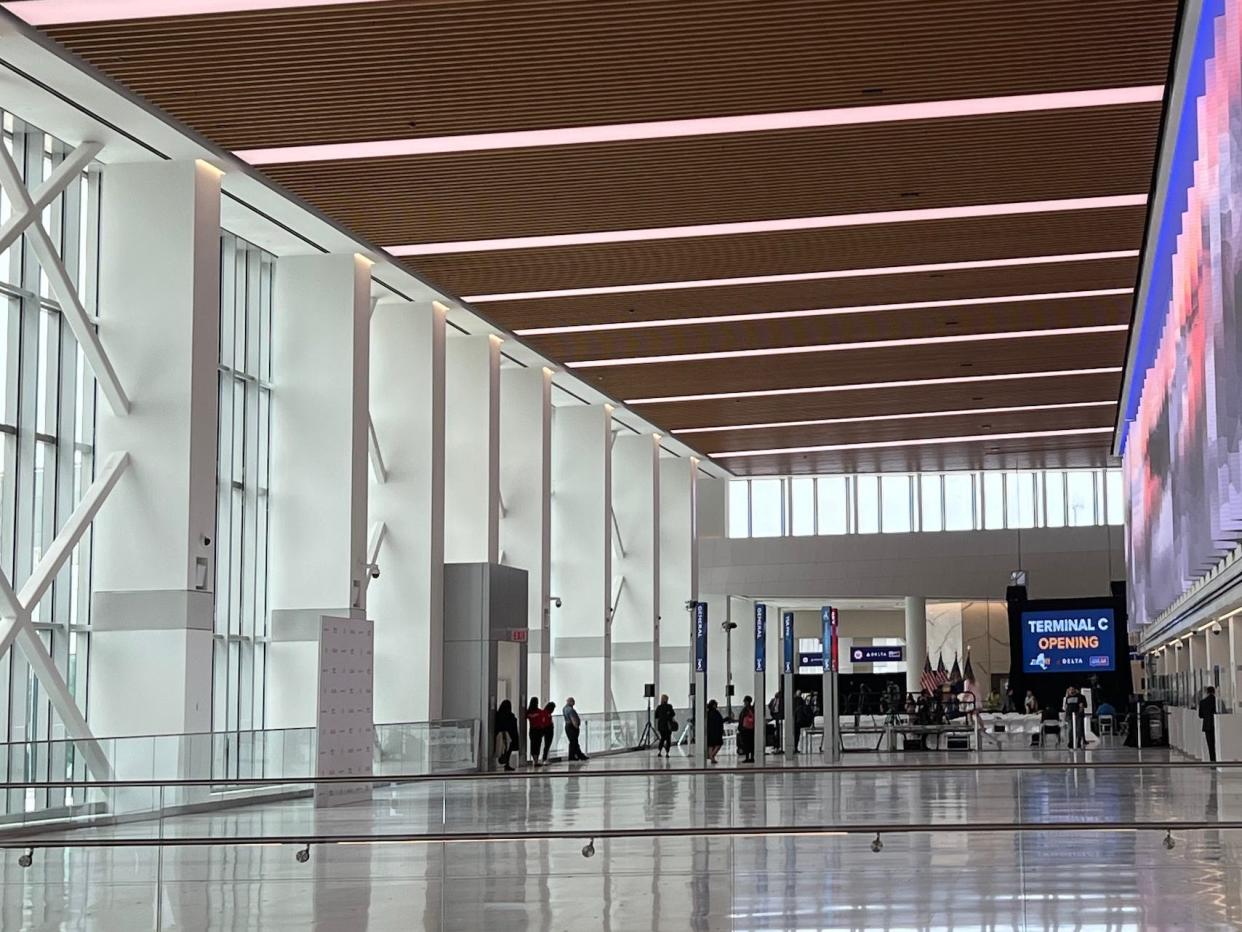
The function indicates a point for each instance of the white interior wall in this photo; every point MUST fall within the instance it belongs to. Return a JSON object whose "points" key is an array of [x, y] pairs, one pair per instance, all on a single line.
{"points": [[472, 449], [636, 565]]}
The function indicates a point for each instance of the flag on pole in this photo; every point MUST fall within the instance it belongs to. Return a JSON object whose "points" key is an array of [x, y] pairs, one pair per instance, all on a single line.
{"points": [[968, 677], [956, 675], [929, 681]]}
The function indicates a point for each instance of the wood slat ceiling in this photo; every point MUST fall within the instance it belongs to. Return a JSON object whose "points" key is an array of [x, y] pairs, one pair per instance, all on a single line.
{"points": [[711, 257], [745, 176], [409, 67], [412, 68]]}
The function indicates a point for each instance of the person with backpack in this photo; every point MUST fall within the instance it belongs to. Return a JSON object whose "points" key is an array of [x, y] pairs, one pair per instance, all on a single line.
{"points": [[666, 724], [776, 714], [746, 731]]}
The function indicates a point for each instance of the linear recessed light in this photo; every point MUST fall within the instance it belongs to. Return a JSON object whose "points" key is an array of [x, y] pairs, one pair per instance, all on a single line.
{"points": [[53, 12], [703, 126], [930, 441], [841, 347], [782, 278], [818, 312], [867, 386], [784, 225], [916, 416]]}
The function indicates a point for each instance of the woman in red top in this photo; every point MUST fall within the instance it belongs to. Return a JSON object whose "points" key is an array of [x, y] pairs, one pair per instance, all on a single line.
{"points": [[534, 736]]}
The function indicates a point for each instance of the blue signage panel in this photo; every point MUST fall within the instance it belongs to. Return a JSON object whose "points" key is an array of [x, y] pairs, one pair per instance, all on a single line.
{"points": [[761, 637], [700, 637], [1069, 640], [787, 639], [811, 659], [826, 654], [876, 654]]}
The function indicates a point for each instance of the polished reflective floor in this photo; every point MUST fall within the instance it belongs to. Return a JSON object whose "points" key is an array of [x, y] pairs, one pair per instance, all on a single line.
{"points": [[945, 877]]}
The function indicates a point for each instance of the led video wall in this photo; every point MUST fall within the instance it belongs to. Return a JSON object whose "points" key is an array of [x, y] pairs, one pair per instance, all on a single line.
{"points": [[1182, 444]]}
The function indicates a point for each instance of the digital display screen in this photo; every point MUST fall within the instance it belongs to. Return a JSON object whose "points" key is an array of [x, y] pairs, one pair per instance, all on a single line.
{"points": [[1069, 641]]}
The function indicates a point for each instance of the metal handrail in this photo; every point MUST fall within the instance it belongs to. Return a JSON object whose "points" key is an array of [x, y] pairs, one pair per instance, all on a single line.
{"points": [[946, 766], [714, 831]]}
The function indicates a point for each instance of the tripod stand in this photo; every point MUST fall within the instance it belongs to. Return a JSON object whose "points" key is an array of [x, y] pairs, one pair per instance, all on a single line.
{"points": [[648, 736]]}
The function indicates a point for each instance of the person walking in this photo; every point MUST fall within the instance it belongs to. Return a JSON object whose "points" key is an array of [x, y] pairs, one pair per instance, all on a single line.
{"points": [[666, 724], [1207, 713], [714, 731], [506, 728], [573, 728], [746, 731]]}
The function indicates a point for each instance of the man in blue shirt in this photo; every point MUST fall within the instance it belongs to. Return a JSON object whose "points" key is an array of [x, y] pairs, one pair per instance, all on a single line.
{"points": [[573, 727]]}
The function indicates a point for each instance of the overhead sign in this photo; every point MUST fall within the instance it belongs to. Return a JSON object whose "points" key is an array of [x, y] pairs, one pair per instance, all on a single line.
{"points": [[700, 637], [811, 659], [787, 639], [876, 654], [761, 637], [1069, 640]]}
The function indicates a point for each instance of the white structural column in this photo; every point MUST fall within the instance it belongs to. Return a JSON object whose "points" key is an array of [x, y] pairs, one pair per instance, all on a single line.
{"points": [[582, 556], [635, 566], [916, 642], [526, 495], [406, 601], [153, 548], [472, 449], [319, 469], [679, 573]]}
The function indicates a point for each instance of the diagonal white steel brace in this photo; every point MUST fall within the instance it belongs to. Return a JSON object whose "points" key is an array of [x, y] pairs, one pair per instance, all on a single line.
{"points": [[16, 610], [379, 531], [52, 186], [58, 277], [378, 470]]}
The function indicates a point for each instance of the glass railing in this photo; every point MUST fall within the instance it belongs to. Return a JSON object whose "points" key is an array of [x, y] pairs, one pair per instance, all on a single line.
{"points": [[275, 753]]}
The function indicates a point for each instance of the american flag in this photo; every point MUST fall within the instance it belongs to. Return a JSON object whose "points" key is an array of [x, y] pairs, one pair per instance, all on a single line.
{"points": [[931, 680]]}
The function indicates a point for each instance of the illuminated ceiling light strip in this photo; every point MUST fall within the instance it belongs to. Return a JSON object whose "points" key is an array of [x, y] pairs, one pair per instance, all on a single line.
{"points": [[819, 312], [705, 126], [53, 12], [784, 225], [915, 416], [865, 386], [931, 441], [807, 276], [842, 347]]}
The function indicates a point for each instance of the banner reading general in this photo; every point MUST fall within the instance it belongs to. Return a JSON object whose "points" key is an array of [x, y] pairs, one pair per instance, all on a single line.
{"points": [[1069, 640]]}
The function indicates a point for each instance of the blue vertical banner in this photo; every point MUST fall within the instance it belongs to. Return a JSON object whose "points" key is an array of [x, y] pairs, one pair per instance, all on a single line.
{"points": [[761, 637], [825, 615], [787, 640], [836, 653], [700, 637]]}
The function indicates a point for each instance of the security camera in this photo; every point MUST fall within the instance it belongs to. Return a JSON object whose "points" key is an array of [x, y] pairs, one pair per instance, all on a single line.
{"points": [[26, 859], [1216, 628], [1177, 646], [302, 855], [728, 625], [556, 600], [374, 569], [588, 850], [206, 541], [876, 845]]}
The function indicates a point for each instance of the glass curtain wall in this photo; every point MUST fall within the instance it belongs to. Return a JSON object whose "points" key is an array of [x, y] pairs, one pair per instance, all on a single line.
{"points": [[241, 632], [47, 433], [902, 503]]}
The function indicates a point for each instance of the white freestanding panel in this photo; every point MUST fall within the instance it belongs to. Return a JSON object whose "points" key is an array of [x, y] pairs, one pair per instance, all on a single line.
{"points": [[679, 574], [582, 556], [406, 601], [319, 470], [153, 553], [526, 497], [636, 566], [344, 729], [472, 449]]}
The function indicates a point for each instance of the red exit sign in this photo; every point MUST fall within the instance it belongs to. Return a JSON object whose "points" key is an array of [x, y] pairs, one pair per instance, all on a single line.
{"points": [[518, 635]]}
